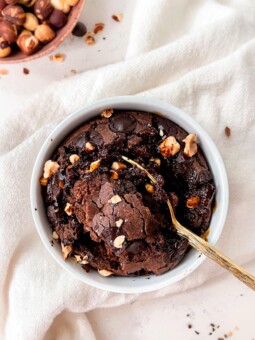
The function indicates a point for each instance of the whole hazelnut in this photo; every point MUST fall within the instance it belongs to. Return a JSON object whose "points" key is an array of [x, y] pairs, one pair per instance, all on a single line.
{"points": [[72, 2], [14, 14], [57, 19], [43, 9], [5, 48], [8, 31], [3, 4], [31, 22], [44, 33], [61, 5], [28, 44]]}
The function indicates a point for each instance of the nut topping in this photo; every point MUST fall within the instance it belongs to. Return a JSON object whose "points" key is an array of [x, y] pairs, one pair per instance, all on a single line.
{"points": [[115, 199], [69, 209], [95, 165], [107, 113], [55, 235], [169, 147], [149, 188], [118, 242], [104, 272], [98, 27], [89, 147], [192, 202], [118, 166], [74, 158], [66, 250], [89, 38], [190, 145], [118, 17], [119, 223], [114, 174], [44, 181], [50, 168]]}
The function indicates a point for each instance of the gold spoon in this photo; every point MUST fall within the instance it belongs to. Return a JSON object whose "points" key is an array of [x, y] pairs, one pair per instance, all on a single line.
{"points": [[200, 244]]}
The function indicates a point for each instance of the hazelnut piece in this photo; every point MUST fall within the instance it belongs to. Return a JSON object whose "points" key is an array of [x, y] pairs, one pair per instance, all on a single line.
{"points": [[89, 147], [57, 19], [5, 48], [69, 209], [114, 174], [8, 31], [115, 199], [74, 158], [190, 145], [60, 5], [31, 22], [119, 223], [44, 33], [118, 242], [50, 168], [149, 188], [192, 202], [43, 9], [118, 17], [118, 166], [169, 147], [55, 235], [66, 251], [104, 272], [107, 113], [95, 165], [44, 181], [14, 14]]}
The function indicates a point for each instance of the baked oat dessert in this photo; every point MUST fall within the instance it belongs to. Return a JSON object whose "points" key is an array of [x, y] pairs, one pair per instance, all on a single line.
{"points": [[106, 214]]}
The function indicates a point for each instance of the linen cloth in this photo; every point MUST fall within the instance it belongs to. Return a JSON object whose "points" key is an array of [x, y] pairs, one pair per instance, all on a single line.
{"points": [[196, 54]]}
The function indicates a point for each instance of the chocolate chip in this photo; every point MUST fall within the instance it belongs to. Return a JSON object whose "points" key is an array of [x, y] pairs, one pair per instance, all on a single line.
{"points": [[26, 71], [189, 326], [135, 247], [79, 30], [122, 122]]}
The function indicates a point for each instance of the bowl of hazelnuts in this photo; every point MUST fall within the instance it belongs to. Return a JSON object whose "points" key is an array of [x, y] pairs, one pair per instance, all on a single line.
{"points": [[30, 29]]}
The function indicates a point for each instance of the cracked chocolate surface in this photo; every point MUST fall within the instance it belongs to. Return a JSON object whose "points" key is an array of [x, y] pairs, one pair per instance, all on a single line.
{"points": [[150, 244]]}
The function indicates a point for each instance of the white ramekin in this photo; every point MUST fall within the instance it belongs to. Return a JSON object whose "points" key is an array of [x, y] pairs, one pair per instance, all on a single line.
{"points": [[130, 284]]}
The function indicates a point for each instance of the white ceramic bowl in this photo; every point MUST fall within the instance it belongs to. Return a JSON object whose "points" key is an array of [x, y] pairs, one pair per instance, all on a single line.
{"points": [[130, 284]]}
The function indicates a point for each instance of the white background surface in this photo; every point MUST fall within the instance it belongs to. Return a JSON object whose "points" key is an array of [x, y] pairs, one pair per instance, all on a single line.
{"points": [[223, 301]]}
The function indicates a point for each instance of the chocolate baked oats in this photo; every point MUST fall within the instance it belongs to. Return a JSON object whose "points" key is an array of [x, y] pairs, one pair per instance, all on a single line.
{"points": [[106, 214]]}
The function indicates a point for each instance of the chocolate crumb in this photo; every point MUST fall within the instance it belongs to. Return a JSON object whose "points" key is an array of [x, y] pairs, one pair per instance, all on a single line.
{"points": [[79, 30], [104, 38], [26, 71], [189, 326], [187, 315], [213, 329], [148, 278], [241, 294], [35, 209], [212, 324], [51, 140], [73, 71], [52, 243], [210, 333], [197, 332], [227, 131], [225, 336], [218, 326], [220, 339]]}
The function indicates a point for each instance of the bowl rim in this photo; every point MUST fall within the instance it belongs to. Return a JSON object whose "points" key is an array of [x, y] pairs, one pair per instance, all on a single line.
{"points": [[87, 112]]}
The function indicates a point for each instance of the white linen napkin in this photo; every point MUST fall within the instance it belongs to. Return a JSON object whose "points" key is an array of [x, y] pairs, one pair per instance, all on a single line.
{"points": [[198, 55]]}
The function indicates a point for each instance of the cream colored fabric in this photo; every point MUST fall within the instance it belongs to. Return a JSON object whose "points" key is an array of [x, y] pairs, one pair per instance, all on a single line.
{"points": [[198, 55]]}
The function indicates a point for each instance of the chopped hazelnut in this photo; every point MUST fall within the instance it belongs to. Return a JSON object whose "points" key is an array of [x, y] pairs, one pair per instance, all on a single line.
{"points": [[104, 272], [55, 235], [89, 39], [69, 209], [98, 27], [115, 199], [169, 147], [161, 133], [77, 258], [118, 242], [89, 147], [118, 166], [118, 17], [74, 158], [66, 250], [61, 184], [50, 168], [58, 58], [190, 145], [149, 188], [43, 181], [95, 165], [157, 161], [114, 174], [227, 131], [107, 113], [80, 260], [192, 202], [119, 223]]}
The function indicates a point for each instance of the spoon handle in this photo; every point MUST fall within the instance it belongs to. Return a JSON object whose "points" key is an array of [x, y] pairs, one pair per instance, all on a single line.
{"points": [[214, 254]]}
